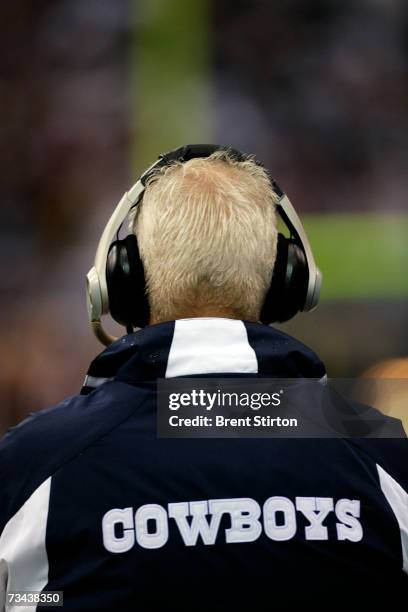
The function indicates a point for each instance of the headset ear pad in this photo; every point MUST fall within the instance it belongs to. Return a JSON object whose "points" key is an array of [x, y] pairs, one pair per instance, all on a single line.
{"points": [[287, 293], [128, 303]]}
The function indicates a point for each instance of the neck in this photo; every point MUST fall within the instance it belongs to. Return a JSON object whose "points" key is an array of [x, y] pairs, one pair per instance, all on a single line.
{"points": [[191, 313]]}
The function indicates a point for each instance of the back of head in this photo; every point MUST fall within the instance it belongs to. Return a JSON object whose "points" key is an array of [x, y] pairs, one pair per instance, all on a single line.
{"points": [[207, 235]]}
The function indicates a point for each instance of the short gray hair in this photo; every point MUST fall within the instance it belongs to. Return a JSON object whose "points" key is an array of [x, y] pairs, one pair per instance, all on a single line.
{"points": [[207, 234]]}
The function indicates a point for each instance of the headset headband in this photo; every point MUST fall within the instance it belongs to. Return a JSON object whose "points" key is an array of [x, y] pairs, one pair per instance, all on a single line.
{"points": [[97, 291]]}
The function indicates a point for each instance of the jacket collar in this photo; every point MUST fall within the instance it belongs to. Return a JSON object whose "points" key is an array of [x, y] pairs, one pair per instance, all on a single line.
{"points": [[203, 346]]}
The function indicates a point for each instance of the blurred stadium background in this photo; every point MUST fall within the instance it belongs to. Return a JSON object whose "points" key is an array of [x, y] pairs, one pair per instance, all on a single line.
{"points": [[93, 90]]}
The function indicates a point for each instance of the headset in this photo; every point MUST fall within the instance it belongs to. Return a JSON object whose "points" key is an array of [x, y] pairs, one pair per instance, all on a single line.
{"points": [[116, 282]]}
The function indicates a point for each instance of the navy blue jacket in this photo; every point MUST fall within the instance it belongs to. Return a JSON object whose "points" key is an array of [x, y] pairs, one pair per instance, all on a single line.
{"points": [[94, 504]]}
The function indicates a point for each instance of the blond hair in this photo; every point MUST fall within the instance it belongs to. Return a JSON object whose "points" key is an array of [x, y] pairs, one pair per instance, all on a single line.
{"points": [[207, 234]]}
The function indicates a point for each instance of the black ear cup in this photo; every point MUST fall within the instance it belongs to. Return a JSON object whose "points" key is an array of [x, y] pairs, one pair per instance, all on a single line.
{"points": [[129, 306], [128, 303], [288, 290]]}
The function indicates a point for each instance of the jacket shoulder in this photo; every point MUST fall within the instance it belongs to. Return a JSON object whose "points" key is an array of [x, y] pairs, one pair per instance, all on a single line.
{"points": [[43, 442]]}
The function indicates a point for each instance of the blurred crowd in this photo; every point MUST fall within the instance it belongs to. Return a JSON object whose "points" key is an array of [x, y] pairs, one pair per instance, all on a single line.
{"points": [[322, 87], [65, 138], [316, 89]]}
